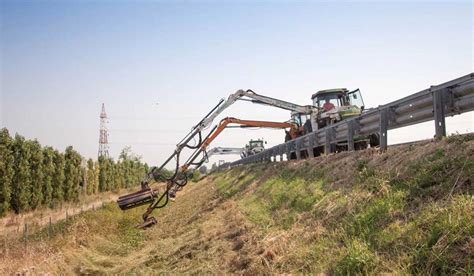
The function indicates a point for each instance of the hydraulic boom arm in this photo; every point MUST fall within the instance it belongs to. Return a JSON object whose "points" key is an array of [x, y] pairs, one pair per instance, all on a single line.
{"points": [[224, 151], [257, 98], [225, 122], [180, 176]]}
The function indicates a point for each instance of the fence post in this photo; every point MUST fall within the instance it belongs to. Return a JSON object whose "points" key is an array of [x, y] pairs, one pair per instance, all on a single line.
{"points": [[5, 243], [383, 129], [49, 228], [26, 234], [438, 107]]}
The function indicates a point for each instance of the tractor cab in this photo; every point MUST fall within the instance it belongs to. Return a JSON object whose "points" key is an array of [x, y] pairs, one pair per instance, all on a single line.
{"points": [[299, 118], [337, 104], [337, 97], [254, 147], [256, 144], [302, 122]]}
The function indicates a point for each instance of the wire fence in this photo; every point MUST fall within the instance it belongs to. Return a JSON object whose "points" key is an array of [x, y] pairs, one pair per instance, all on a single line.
{"points": [[41, 230]]}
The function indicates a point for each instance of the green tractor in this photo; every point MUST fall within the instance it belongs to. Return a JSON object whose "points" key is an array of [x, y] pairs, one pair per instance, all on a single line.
{"points": [[253, 147], [339, 104]]}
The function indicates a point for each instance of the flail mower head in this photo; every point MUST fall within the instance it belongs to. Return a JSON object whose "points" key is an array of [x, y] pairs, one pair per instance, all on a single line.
{"points": [[145, 196], [142, 197]]}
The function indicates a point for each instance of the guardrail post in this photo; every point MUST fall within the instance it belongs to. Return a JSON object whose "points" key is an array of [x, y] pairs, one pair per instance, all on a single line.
{"points": [[298, 149], [310, 149], [329, 148], [288, 151], [316, 141], [383, 129], [350, 135], [438, 107]]}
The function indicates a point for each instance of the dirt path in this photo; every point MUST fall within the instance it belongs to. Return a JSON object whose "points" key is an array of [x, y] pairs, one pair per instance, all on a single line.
{"points": [[14, 224]]}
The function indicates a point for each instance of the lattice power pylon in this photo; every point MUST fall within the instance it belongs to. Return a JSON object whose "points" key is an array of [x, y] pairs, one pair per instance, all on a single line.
{"points": [[103, 139]]}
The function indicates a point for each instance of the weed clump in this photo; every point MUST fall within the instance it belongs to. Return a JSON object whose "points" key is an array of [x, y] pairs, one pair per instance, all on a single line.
{"points": [[358, 259]]}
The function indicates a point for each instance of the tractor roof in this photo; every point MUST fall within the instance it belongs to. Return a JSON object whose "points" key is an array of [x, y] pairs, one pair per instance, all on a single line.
{"points": [[329, 91]]}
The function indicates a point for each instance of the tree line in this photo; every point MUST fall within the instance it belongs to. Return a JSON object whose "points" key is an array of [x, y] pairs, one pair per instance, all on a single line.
{"points": [[32, 176]]}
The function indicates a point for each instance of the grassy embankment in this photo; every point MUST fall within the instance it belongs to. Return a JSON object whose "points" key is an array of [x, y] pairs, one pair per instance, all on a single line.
{"points": [[409, 210]]}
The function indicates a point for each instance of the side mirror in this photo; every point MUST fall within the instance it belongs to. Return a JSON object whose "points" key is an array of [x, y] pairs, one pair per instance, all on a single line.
{"points": [[362, 108], [265, 142]]}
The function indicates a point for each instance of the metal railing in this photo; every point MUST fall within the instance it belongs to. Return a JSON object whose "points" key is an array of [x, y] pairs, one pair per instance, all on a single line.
{"points": [[435, 103]]}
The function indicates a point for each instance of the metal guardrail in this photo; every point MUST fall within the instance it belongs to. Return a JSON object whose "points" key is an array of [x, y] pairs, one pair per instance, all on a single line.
{"points": [[435, 103]]}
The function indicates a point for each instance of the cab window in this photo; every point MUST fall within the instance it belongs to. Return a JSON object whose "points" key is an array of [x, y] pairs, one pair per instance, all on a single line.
{"points": [[303, 119], [329, 98], [355, 98]]}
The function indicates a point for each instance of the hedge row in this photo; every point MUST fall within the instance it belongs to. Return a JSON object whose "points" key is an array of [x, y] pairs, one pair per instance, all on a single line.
{"points": [[32, 176]]}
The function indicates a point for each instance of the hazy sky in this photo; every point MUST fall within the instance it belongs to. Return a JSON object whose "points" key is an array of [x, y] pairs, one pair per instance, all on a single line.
{"points": [[160, 66]]}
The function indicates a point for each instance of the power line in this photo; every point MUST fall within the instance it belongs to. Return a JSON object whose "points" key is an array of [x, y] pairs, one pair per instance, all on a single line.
{"points": [[142, 143], [149, 130], [153, 118]]}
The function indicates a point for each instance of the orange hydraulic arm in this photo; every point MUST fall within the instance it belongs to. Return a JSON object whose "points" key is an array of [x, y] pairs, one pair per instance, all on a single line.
{"points": [[247, 123]]}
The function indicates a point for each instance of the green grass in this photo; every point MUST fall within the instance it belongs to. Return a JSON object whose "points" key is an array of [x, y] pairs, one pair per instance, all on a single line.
{"points": [[234, 182], [359, 258], [419, 221]]}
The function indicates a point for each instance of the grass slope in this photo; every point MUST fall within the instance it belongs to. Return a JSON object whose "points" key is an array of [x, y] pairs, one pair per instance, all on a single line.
{"points": [[409, 210]]}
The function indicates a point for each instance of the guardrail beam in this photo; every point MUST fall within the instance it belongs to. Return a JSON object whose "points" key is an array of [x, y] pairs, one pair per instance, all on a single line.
{"points": [[447, 99]]}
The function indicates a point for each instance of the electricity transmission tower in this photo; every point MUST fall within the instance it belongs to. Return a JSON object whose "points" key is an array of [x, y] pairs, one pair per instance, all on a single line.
{"points": [[103, 138]]}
